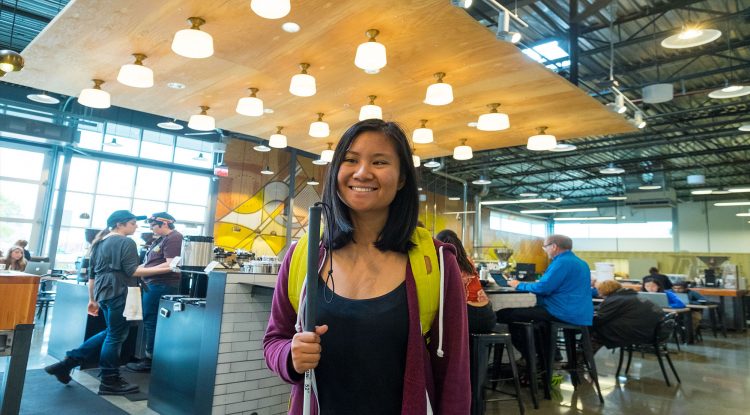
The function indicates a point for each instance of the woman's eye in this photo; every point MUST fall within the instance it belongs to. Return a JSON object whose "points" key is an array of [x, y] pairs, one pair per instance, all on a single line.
{"points": [[350, 161]]}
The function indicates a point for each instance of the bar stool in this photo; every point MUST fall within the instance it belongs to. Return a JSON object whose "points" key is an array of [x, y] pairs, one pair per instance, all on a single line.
{"points": [[480, 343], [569, 336], [530, 329]]}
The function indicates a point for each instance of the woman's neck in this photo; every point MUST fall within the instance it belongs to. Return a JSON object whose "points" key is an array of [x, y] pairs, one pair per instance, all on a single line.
{"points": [[119, 232], [367, 228]]}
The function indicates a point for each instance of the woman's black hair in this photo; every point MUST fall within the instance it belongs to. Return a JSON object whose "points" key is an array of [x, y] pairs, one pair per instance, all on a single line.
{"points": [[450, 237], [402, 212]]}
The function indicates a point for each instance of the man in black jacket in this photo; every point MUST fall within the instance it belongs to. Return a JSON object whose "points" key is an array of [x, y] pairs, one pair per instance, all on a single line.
{"points": [[655, 275], [622, 318]]}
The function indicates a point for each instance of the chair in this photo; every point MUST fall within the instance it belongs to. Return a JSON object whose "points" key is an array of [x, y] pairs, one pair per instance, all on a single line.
{"points": [[658, 346], [480, 343], [45, 299], [570, 332]]}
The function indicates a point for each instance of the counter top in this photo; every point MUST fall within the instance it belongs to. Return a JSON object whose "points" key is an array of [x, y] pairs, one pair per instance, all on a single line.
{"points": [[18, 277], [263, 280], [710, 291]]}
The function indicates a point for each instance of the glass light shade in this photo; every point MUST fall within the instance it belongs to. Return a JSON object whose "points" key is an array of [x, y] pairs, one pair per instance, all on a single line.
{"points": [[417, 161], [202, 122], [262, 148], [493, 121], [422, 136], [370, 111], [744, 127], [691, 37], [326, 156], [193, 43], [267, 171], [250, 106], [732, 91], [94, 98], [462, 152], [319, 162], [439, 93], [302, 85], [370, 57], [137, 76], [541, 142], [277, 141], [271, 9], [432, 164], [313, 182], [319, 129]]}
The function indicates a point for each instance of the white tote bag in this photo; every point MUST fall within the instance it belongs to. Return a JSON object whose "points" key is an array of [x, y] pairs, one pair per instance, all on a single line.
{"points": [[133, 308]]}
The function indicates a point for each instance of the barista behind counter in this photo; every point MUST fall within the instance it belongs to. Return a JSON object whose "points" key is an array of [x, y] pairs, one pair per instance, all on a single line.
{"points": [[159, 278]]}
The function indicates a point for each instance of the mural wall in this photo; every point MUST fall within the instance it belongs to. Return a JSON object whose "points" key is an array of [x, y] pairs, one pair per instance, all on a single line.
{"points": [[251, 207]]}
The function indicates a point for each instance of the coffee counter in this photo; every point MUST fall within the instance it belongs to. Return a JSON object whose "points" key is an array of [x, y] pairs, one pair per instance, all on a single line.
{"points": [[230, 362]]}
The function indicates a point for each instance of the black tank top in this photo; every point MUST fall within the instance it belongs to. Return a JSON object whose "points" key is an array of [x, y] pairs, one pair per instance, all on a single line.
{"points": [[361, 369]]}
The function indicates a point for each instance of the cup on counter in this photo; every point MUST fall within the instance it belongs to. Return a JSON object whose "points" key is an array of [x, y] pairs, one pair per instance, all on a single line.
{"points": [[2, 267]]}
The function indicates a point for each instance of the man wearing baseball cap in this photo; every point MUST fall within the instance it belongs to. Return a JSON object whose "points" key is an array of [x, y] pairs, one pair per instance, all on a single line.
{"points": [[159, 278]]}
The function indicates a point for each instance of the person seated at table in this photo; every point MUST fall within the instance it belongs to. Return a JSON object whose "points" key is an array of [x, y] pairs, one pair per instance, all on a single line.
{"points": [[623, 318], [654, 286], [654, 274], [563, 294], [15, 260], [479, 309], [693, 298], [23, 244]]}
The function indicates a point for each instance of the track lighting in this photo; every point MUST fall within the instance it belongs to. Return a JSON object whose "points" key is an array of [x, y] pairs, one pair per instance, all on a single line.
{"points": [[505, 34]]}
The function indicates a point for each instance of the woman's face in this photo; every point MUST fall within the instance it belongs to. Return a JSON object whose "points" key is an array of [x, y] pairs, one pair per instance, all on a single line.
{"points": [[651, 287], [370, 174], [129, 227], [16, 254]]}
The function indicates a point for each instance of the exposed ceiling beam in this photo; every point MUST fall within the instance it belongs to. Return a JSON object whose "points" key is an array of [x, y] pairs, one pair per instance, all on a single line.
{"points": [[590, 10], [6, 8], [644, 12]]}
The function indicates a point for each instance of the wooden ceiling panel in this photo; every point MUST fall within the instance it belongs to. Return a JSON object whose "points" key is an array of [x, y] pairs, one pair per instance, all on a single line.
{"points": [[92, 39]]}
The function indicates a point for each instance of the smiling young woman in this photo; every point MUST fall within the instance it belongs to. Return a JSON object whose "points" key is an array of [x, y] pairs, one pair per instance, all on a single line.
{"points": [[368, 327]]}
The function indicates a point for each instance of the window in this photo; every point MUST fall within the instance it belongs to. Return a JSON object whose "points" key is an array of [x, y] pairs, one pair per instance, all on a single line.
{"points": [[546, 52], [193, 153], [631, 230], [157, 146], [98, 188], [517, 224], [22, 186]]}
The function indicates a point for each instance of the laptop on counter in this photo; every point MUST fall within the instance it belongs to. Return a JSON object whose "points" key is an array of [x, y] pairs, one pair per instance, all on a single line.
{"points": [[37, 268]]}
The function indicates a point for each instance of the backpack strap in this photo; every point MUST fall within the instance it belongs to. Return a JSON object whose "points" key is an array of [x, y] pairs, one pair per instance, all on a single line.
{"points": [[297, 273], [428, 283]]}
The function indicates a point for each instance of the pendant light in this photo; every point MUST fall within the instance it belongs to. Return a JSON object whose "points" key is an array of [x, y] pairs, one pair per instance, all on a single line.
{"points": [[415, 158], [271, 9], [251, 106], [730, 91], [690, 37], [312, 181], [439, 93], [327, 155], [262, 148], [302, 84], [371, 55], [319, 128], [482, 180], [432, 164], [193, 43], [493, 121], [202, 121], [462, 152], [267, 170], [277, 140], [135, 74], [611, 168], [541, 141], [422, 135], [95, 97], [10, 61], [43, 98], [370, 111]]}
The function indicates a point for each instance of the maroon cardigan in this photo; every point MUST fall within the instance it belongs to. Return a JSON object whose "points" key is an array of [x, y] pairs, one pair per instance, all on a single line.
{"points": [[446, 379]]}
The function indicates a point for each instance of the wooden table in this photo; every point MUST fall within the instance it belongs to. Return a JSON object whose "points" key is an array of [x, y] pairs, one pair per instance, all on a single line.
{"points": [[18, 292]]}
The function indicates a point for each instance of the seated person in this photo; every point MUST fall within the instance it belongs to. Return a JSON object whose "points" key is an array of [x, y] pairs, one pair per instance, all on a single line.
{"points": [[694, 298], [15, 260], [562, 294], [653, 274], [653, 286], [23, 244], [622, 318]]}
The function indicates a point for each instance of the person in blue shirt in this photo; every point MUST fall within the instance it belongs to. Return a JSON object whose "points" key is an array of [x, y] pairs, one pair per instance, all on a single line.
{"points": [[563, 293], [654, 286]]}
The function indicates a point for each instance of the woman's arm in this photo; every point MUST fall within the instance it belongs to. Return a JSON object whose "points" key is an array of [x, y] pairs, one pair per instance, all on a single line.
{"points": [[277, 342]]}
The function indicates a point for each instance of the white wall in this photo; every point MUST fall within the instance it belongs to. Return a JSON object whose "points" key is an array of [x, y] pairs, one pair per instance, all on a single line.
{"points": [[720, 231]]}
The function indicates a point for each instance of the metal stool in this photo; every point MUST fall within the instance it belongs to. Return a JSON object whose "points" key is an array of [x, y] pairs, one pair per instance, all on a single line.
{"points": [[480, 343], [569, 334], [530, 329]]}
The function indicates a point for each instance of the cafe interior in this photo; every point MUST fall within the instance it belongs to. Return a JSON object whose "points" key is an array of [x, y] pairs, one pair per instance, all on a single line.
{"points": [[622, 124]]}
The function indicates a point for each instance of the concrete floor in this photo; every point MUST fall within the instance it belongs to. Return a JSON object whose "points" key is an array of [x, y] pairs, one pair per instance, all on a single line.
{"points": [[715, 381]]}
